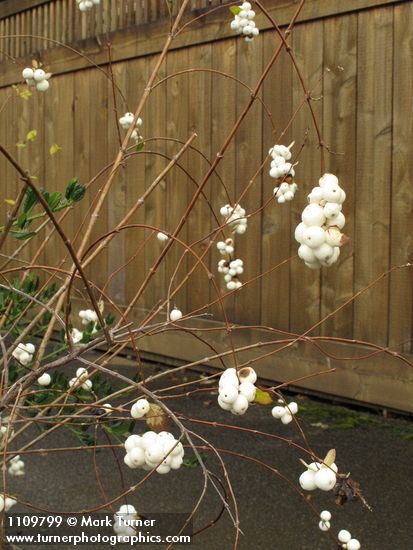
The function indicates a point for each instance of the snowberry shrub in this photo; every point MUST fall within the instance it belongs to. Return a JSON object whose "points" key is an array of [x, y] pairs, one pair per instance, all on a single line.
{"points": [[56, 314]]}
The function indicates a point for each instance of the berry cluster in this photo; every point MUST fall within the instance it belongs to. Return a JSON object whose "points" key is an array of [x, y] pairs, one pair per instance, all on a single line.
{"points": [[24, 353], [235, 218], [6, 503], [81, 379], [175, 314], [87, 316], [319, 476], [126, 122], [16, 467], [325, 518], [347, 542], [243, 22], [44, 379], [319, 233], [86, 5], [283, 172], [237, 391], [160, 451], [128, 514], [140, 408], [37, 77], [285, 414], [231, 270]]}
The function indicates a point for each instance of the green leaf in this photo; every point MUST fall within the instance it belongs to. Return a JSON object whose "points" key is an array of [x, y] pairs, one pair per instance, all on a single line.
{"points": [[79, 193], [235, 10], [70, 187], [55, 148], [109, 319], [10, 202], [75, 191], [30, 200], [22, 220], [45, 194], [140, 145], [32, 135], [25, 94], [21, 144], [54, 200], [262, 397], [22, 235], [193, 462]]}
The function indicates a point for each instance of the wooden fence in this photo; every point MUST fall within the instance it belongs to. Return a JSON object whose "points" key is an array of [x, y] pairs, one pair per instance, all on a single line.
{"points": [[356, 56]]}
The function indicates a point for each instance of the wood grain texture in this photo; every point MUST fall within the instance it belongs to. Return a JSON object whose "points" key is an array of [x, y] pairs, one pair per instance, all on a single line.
{"points": [[199, 122], [340, 116], [116, 251], [248, 146], [223, 187], [374, 146], [135, 185], [276, 234], [401, 230], [155, 205], [179, 191], [304, 282], [365, 113]]}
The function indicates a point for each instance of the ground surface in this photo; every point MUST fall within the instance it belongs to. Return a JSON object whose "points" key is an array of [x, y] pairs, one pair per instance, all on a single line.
{"points": [[377, 451]]}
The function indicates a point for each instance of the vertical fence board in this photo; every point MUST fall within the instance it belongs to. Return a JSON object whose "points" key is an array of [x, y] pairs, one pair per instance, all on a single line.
{"points": [[116, 250], [135, 187], [339, 123], [223, 119], [400, 314], [305, 283], [177, 184], [374, 141], [155, 205], [199, 121], [276, 235], [248, 145]]}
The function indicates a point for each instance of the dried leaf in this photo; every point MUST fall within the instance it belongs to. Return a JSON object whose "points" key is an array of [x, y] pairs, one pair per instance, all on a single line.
{"points": [[330, 457], [157, 420], [11, 202]]}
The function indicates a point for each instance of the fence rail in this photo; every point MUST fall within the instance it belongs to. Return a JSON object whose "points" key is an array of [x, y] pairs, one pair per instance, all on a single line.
{"points": [[62, 21]]}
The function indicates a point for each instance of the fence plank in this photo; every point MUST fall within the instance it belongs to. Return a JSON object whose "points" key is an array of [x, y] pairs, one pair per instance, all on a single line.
{"points": [[339, 123], [372, 202], [305, 283], [248, 145], [199, 121], [401, 300], [177, 184], [223, 118], [276, 234]]}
